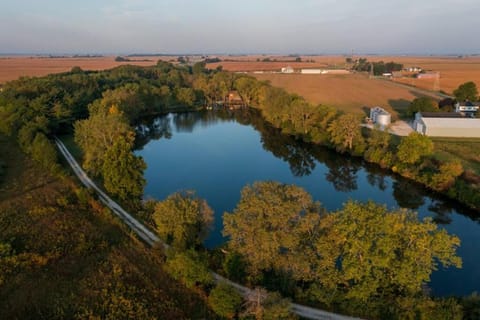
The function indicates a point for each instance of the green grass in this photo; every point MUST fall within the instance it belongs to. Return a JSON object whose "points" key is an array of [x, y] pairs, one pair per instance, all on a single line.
{"points": [[465, 150]]}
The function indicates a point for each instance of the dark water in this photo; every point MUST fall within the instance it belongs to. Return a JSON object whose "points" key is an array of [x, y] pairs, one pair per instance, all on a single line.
{"points": [[217, 154]]}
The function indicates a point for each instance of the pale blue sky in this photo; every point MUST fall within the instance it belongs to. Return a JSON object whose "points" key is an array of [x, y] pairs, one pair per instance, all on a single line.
{"points": [[246, 26]]}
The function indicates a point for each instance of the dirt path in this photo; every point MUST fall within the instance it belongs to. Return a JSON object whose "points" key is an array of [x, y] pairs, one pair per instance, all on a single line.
{"points": [[423, 92]]}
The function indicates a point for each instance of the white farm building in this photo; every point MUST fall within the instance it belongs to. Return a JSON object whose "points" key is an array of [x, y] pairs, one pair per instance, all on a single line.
{"points": [[442, 124], [380, 116]]}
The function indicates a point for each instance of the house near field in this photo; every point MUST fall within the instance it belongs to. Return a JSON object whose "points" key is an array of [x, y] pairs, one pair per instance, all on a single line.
{"points": [[413, 69], [446, 124], [428, 75], [397, 74], [467, 107], [233, 100]]}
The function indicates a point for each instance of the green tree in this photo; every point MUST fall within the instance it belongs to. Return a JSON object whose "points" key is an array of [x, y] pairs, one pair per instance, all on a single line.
{"points": [[267, 306], [378, 144], [234, 267], [300, 116], [466, 91], [277, 308], [183, 219], [225, 300], [128, 100], [97, 134], [268, 226], [247, 88], [371, 253], [345, 134], [324, 116], [190, 268], [186, 96], [122, 171], [413, 148], [199, 68], [423, 104], [446, 175], [44, 152]]}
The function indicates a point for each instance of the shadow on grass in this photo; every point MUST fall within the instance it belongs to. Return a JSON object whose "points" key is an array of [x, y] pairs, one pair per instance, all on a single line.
{"points": [[399, 106]]}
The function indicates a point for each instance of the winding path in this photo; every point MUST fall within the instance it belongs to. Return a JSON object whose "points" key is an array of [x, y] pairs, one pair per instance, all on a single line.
{"points": [[151, 239]]}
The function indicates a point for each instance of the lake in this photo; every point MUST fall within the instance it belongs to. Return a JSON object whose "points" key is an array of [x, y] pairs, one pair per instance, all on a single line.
{"points": [[218, 153]]}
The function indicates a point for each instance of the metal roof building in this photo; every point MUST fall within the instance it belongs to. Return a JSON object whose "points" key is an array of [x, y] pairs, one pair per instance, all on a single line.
{"points": [[442, 124]]}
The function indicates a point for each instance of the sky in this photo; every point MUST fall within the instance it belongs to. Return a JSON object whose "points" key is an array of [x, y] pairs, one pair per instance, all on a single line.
{"points": [[240, 26]]}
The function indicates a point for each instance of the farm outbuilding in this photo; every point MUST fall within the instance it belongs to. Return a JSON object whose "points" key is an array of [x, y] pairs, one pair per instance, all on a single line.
{"points": [[233, 100], [446, 124], [380, 116], [287, 70], [429, 75], [312, 71], [467, 107]]}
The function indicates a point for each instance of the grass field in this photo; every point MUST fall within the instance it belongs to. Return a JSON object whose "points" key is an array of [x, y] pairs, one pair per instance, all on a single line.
{"points": [[350, 93], [466, 150]]}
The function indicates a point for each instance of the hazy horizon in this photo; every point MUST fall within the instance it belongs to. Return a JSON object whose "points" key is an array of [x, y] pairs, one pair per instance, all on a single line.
{"points": [[323, 27]]}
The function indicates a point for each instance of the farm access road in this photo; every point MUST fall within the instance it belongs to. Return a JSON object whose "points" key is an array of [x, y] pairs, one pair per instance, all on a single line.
{"points": [[151, 239]]}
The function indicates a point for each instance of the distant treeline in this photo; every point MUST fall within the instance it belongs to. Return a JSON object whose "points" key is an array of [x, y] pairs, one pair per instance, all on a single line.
{"points": [[378, 68]]}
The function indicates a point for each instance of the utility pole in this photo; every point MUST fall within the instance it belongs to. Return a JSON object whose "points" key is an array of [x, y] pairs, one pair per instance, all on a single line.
{"points": [[436, 84]]}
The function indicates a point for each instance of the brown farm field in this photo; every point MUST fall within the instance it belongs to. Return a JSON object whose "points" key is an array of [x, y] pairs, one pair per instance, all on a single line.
{"points": [[453, 70], [350, 93], [255, 63], [12, 68]]}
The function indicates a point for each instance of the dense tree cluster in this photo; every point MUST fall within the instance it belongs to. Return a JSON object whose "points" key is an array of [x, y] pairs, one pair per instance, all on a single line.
{"points": [[378, 68], [466, 92], [183, 220], [362, 256], [423, 104]]}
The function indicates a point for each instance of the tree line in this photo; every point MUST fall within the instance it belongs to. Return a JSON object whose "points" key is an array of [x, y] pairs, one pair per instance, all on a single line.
{"points": [[362, 259]]}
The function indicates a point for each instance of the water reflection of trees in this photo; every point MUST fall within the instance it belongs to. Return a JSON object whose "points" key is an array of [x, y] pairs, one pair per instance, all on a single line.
{"points": [[376, 179], [153, 129], [443, 212], [302, 158], [407, 194], [296, 153]]}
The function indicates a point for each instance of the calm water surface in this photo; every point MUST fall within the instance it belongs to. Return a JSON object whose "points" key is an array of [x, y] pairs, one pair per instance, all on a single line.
{"points": [[217, 154]]}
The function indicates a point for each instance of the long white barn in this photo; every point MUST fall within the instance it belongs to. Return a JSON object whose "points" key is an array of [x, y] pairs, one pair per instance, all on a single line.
{"points": [[446, 125]]}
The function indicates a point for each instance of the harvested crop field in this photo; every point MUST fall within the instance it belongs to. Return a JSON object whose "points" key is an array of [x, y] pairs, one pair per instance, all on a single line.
{"points": [[350, 93], [275, 63], [453, 70], [12, 68]]}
